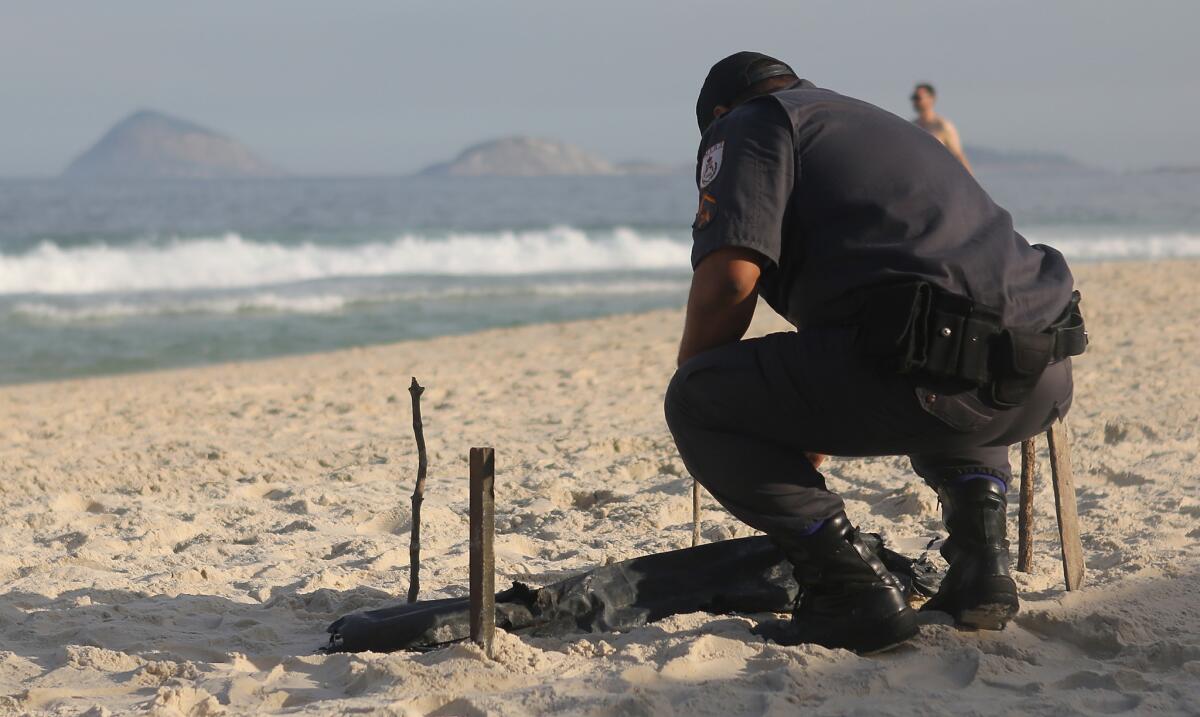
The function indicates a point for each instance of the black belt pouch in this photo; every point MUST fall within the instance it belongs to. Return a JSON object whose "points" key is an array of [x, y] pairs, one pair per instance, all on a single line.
{"points": [[1023, 356]]}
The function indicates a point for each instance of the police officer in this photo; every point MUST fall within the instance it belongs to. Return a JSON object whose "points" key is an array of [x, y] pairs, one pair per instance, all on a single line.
{"points": [[926, 327]]}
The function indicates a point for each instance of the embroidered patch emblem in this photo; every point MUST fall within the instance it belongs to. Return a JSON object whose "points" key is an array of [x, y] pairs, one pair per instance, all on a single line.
{"points": [[711, 164], [706, 212]]}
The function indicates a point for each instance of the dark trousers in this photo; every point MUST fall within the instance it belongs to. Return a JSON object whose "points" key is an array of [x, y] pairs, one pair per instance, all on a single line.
{"points": [[744, 415]]}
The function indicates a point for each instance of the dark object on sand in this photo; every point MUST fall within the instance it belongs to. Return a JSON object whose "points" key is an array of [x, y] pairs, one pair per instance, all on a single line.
{"points": [[747, 575]]}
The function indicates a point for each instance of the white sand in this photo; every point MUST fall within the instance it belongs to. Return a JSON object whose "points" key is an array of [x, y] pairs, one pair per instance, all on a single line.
{"points": [[178, 542]]}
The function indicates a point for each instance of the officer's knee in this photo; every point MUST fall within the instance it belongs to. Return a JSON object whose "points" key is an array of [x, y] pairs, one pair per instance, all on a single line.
{"points": [[675, 405]]}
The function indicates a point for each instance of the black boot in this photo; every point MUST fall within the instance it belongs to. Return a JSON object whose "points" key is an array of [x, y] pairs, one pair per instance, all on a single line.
{"points": [[848, 598], [977, 590]]}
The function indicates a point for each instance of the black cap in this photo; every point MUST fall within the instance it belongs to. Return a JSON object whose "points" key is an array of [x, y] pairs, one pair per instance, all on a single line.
{"points": [[730, 77]]}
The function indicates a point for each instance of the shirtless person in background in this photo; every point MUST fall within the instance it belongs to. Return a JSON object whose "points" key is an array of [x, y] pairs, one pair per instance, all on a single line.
{"points": [[923, 98]]}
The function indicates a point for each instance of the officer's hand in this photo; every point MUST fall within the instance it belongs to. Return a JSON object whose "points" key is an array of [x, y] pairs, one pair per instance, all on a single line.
{"points": [[816, 459]]}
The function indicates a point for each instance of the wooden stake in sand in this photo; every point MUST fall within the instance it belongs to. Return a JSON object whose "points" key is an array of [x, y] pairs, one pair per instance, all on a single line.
{"points": [[695, 513], [482, 552], [1064, 502], [418, 496], [1025, 516]]}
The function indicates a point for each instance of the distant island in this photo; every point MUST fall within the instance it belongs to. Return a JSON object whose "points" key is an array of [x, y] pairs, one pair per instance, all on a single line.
{"points": [[153, 145], [533, 157]]}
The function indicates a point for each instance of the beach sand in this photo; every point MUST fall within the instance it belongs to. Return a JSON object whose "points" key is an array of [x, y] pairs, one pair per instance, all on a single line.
{"points": [[177, 542]]}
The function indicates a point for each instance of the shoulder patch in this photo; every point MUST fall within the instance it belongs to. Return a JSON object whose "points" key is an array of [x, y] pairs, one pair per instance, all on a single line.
{"points": [[711, 164], [706, 212]]}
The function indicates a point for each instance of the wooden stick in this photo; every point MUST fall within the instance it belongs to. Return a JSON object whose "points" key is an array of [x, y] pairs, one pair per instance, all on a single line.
{"points": [[418, 496], [482, 552], [695, 513], [1025, 516], [1064, 503]]}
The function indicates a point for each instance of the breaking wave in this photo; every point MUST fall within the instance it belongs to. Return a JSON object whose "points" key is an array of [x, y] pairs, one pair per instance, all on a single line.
{"points": [[234, 262], [231, 261], [1113, 248]]}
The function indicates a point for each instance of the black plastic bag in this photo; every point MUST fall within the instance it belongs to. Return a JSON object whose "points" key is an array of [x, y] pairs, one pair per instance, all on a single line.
{"points": [[747, 575]]}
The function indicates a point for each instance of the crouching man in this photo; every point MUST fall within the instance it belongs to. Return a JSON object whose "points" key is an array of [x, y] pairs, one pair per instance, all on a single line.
{"points": [[926, 327]]}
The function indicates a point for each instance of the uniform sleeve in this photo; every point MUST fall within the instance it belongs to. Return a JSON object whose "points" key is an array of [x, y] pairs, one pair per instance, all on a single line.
{"points": [[745, 172]]}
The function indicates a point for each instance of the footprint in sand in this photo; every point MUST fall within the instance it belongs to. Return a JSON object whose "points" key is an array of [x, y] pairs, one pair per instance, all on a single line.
{"points": [[396, 521]]}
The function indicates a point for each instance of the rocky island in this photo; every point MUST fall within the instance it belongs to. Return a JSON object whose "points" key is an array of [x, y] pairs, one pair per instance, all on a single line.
{"points": [[153, 145], [522, 157], [533, 157]]}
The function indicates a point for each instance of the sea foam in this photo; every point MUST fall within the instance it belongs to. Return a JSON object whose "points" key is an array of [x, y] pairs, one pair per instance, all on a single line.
{"points": [[232, 261], [1122, 247], [235, 262]]}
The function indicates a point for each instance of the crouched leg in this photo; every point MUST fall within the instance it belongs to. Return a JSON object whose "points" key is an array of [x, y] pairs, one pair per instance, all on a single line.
{"points": [[743, 439]]}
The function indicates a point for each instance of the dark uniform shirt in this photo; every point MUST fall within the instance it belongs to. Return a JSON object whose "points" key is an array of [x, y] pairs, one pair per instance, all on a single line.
{"points": [[838, 196]]}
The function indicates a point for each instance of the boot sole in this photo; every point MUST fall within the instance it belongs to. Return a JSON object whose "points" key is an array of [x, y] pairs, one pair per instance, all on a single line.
{"points": [[989, 616], [895, 630], [901, 627], [986, 604]]}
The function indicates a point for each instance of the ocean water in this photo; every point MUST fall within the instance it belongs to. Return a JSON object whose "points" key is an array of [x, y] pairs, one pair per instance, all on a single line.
{"points": [[102, 278]]}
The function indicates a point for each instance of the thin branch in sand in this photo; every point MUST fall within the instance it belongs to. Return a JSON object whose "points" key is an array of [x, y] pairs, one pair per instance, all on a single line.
{"points": [[695, 513], [1025, 516], [418, 496]]}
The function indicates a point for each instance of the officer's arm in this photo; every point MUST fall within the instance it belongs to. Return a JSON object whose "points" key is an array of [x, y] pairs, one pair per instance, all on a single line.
{"points": [[722, 300]]}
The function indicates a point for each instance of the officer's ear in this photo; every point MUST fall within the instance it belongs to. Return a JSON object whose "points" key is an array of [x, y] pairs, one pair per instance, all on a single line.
{"points": [[719, 110]]}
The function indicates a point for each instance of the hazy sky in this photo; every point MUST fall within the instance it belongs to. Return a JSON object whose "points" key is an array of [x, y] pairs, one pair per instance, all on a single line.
{"points": [[387, 87]]}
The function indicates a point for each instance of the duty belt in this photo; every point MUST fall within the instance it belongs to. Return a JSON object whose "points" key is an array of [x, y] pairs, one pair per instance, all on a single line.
{"points": [[917, 328]]}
